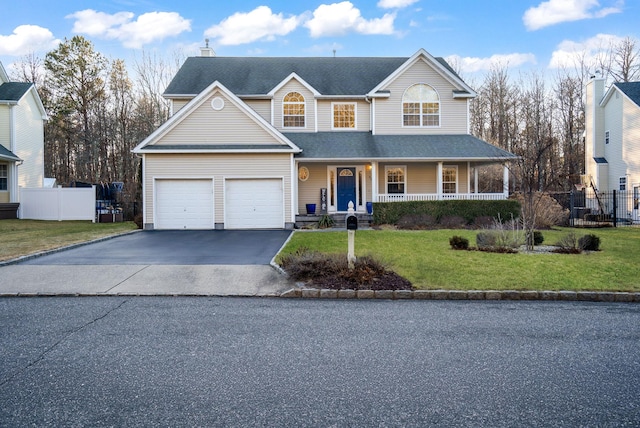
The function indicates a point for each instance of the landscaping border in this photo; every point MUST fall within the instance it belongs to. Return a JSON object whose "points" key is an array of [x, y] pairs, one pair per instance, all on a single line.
{"points": [[568, 296]]}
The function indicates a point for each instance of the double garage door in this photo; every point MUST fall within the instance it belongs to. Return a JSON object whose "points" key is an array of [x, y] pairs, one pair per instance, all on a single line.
{"points": [[248, 204]]}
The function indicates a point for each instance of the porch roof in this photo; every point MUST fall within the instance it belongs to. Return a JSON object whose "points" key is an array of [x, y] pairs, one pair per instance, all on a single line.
{"points": [[365, 145], [7, 155]]}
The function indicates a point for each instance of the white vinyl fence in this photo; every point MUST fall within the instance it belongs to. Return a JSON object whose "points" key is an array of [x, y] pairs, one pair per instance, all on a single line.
{"points": [[68, 203]]}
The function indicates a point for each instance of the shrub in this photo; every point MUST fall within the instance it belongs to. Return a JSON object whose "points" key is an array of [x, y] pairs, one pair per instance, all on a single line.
{"points": [[138, 221], [392, 212], [325, 222], [483, 222], [485, 240], [547, 211], [589, 243], [416, 222], [538, 238], [459, 243], [568, 244]]}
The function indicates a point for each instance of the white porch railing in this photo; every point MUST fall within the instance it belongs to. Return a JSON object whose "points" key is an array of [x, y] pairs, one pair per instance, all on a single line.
{"points": [[390, 197]]}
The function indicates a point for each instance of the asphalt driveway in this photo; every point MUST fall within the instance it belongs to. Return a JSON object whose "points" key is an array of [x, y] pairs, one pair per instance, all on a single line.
{"points": [[210, 263], [176, 247]]}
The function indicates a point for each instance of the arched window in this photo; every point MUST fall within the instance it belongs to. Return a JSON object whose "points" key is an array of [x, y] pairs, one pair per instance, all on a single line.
{"points": [[420, 106], [293, 110]]}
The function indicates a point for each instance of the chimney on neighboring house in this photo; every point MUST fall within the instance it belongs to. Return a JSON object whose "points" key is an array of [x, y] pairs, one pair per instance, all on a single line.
{"points": [[594, 146], [206, 50]]}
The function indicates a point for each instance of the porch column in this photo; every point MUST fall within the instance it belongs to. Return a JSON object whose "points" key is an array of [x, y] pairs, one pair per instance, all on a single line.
{"points": [[439, 181], [374, 181], [468, 177], [475, 178], [505, 180], [294, 188]]}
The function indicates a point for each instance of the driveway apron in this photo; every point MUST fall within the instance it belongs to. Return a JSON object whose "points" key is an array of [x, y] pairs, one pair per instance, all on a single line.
{"points": [[221, 263]]}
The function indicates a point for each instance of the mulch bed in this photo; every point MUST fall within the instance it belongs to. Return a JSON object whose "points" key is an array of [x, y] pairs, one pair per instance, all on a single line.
{"points": [[388, 281]]}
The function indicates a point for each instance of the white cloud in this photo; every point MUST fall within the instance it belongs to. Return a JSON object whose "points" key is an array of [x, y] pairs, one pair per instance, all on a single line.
{"points": [[338, 19], [149, 27], [556, 11], [395, 4], [259, 24], [26, 39], [571, 54], [474, 64]]}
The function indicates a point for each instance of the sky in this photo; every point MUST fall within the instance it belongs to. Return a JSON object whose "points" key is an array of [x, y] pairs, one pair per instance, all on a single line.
{"points": [[472, 34]]}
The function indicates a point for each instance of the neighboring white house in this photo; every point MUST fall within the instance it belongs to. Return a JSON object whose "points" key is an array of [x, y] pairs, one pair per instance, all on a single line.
{"points": [[612, 141], [22, 117], [252, 141]]}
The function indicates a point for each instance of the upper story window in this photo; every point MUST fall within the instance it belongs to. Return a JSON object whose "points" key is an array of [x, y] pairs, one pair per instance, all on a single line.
{"points": [[606, 137], [421, 106], [4, 177], [344, 115], [293, 110], [622, 183]]}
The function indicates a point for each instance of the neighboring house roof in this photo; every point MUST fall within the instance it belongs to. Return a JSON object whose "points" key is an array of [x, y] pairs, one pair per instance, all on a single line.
{"points": [[365, 145], [630, 89], [7, 155], [12, 92]]}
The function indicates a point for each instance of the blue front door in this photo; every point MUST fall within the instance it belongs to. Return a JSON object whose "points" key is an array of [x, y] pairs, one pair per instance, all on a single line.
{"points": [[346, 188]]}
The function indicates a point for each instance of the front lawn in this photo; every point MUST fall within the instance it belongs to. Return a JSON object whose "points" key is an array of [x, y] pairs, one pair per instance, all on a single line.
{"points": [[23, 237], [425, 259]]}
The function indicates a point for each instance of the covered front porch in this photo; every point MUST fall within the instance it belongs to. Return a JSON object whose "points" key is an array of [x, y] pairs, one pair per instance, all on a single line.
{"points": [[330, 186]]}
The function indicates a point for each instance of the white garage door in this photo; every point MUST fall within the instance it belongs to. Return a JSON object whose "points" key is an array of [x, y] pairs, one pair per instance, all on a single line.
{"points": [[254, 204], [184, 204]]}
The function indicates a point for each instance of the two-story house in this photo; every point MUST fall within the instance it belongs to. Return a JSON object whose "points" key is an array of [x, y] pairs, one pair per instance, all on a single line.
{"points": [[612, 142], [252, 141], [22, 117]]}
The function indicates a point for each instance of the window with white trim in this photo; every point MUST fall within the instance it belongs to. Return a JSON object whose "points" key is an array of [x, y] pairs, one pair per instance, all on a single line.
{"points": [[420, 106], [449, 179], [344, 115], [396, 179], [606, 137], [622, 183], [4, 177], [293, 107]]}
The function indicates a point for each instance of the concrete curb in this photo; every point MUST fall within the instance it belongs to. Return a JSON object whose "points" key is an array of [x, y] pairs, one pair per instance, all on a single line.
{"points": [[566, 296], [67, 247]]}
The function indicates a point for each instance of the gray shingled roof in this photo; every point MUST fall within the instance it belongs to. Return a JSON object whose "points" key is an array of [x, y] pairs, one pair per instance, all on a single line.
{"points": [[364, 145], [259, 75], [7, 154], [630, 89], [13, 91]]}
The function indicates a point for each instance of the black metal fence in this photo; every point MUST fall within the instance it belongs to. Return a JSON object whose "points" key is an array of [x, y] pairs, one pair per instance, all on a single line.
{"points": [[592, 209]]}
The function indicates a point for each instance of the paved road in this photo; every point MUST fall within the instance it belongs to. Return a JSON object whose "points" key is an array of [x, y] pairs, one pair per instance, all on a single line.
{"points": [[115, 361]]}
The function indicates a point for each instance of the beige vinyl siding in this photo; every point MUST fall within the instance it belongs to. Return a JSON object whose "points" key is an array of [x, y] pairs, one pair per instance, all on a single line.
{"points": [[309, 191], [262, 107], [178, 104], [5, 135], [204, 125], [310, 110], [631, 141], [388, 112], [325, 115], [29, 142], [218, 167]]}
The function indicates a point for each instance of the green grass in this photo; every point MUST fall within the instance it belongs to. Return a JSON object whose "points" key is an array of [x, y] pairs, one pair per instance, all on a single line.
{"points": [[425, 259], [24, 237]]}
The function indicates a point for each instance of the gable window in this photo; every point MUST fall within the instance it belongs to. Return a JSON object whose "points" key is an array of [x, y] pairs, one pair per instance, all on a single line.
{"points": [[606, 137], [420, 106], [396, 179], [622, 183], [449, 179], [344, 115], [293, 110], [4, 177]]}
